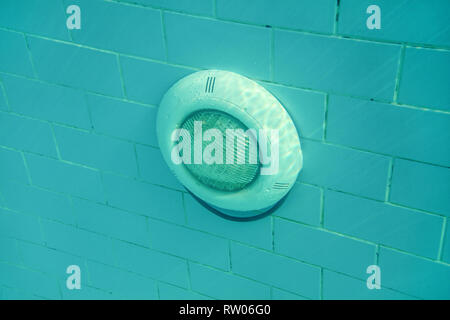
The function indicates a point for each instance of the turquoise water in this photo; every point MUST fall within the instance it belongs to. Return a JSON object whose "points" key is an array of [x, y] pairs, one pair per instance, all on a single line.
{"points": [[83, 182]]}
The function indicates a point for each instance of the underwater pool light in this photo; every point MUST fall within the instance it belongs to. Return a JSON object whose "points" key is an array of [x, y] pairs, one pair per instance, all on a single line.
{"points": [[229, 142]]}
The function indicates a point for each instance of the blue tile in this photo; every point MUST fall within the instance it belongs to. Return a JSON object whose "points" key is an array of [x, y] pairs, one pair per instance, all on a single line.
{"points": [[306, 108], [204, 7], [78, 242], [119, 27], [96, 151], [14, 57], [257, 233], [278, 294], [27, 280], [9, 251], [316, 15], [446, 245], [110, 221], [421, 186], [76, 66], [38, 202], [320, 247], [193, 245], [218, 45], [337, 286], [276, 270], [302, 204], [397, 227], [344, 169], [151, 263], [388, 129], [20, 226], [140, 75], [122, 119], [144, 198], [414, 275], [346, 66], [47, 102], [424, 81], [63, 177], [51, 262], [12, 166], [121, 283], [46, 18], [221, 285], [402, 21], [153, 168], [169, 292], [26, 134]]}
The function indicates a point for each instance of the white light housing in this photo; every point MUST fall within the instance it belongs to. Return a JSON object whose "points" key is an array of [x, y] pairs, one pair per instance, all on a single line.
{"points": [[250, 104]]}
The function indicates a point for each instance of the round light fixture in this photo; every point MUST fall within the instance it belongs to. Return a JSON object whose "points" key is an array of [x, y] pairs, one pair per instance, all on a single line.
{"points": [[229, 142]]}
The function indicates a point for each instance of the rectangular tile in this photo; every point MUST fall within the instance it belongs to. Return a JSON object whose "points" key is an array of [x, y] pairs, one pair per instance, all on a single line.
{"points": [[316, 15], [122, 119], [302, 204], [218, 45], [144, 198], [193, 245], [221, 285], [306, 109], [110, 221], [337, 286], [413, 275], [323, 248], [389, 129], [62, 177], [152, 264], [276, 270], [76, 66], [421, 186], [403, 21], [96, 151], [336, 65], [420, 64], [46, 18], [38, 202], [12, 166], [78, 242], [344, 169], [46, 101], [26, 134], [119, 27], [14, 57], [140, 75], [204, 7], [122, 284], [397, 227], [257, 233], [19, 226]]}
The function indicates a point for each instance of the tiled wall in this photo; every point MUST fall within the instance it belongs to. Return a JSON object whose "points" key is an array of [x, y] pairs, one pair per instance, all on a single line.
{"points": [[82, 180]]}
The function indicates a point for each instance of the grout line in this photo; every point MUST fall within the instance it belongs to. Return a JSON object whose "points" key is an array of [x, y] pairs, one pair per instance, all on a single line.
{"points": [[321, 284], [3, 90], [389, 179], [272, 55], [137, 161], [214, 7], [272, 226], [336, 17], [119, 65], [399, 73], [30, 56], [322, 208], [164, 35], [325, 117], [442, 240], [377, 255], [25, 163], [52, 129]]}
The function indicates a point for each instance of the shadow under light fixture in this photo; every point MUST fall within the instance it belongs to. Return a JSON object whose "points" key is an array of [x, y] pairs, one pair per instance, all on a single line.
{"points": [[223, 100]]}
